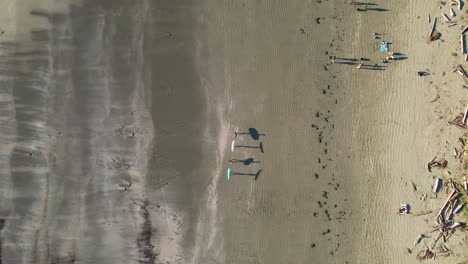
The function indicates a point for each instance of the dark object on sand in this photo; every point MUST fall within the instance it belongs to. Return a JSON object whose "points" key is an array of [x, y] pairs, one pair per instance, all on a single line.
{"points": [[246, 162], [256, 175], [426, 254], [260, 146], [461, 71], [460, 120], [362, 9], [435, 36], [252, 132], [433, 163], [423, 73]]}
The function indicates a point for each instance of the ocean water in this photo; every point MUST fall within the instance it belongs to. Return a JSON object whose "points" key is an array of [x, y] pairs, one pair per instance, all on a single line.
{"points": [[76, 134]]}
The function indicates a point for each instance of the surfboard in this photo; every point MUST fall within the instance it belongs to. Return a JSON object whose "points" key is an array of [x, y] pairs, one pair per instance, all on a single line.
{"points": [[233, 145], [229, 173]]}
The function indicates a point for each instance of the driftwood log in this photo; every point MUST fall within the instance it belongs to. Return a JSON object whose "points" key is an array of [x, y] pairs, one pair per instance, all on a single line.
{"points": [[446, 17], [465, 116], [462, 41], [464, 30], [445, 204], [452, 13], [458, 121]]}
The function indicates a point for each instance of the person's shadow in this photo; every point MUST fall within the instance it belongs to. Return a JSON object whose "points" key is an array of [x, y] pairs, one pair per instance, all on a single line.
{"points": [[256, 175], [246, 162], [260, 146], [252, 132]]}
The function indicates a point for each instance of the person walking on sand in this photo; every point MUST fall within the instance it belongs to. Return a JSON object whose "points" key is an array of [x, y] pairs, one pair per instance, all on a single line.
{"points": [[361, 63]]}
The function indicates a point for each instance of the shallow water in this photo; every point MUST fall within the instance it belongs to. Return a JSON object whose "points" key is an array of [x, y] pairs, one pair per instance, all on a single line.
{"points": [[76, 133]]}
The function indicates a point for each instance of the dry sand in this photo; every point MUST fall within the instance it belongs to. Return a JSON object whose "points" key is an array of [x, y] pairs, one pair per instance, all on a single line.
{"points": [[341, 149], [380, 132]]}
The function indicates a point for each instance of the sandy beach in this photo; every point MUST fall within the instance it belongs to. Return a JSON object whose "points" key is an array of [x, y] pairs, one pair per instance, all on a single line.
{"points": [[117, 121]]}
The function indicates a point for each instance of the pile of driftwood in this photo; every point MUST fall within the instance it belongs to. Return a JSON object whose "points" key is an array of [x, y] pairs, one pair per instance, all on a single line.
{"points": [[426, 254], [457, 153], [442, 163], [461, 70], [444, 223], [443, 218], [461, 120]]}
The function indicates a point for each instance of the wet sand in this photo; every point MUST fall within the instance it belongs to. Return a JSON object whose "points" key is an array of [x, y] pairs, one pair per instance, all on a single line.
{"points": [[117, 120]]}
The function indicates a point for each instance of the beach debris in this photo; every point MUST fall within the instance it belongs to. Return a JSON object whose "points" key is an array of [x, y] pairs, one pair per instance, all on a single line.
{"points": [[415, 188], [460, 153], [429, 165], [433, 163], [458, 208], [453, 185], [435, 36], [423, 73], [425, 254], [452, 13], [452, 194], [443, 163], [435, 190], [462, 43], [418, 239], [461, 70], [421, 213], [465, 185], [423, 197], [455, 152], [465, 116], [459, 121], [446, 17], [443, 221], [455, 225], [464, 30], [461, 141], [435, 99]]}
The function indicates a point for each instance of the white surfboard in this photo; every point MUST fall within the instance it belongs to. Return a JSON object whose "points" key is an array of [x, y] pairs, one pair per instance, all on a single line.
{"points": [[233, 145]]}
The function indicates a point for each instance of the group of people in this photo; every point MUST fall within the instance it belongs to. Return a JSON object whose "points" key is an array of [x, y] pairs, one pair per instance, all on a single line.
{"points": [[390, 56], [359, 66]]}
